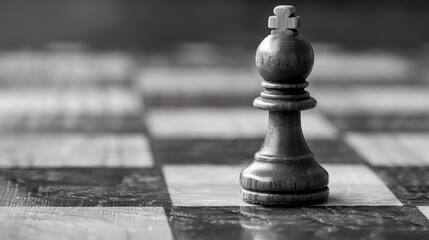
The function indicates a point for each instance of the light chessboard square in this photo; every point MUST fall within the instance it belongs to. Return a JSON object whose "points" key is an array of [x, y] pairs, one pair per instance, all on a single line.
{"points": [[377, 100], [424, 210], [334, 64], [357, 185], [392, 149], [203, 185], [70, 102], [64, 67], [116, 223], [75, 150], [228, 123], [218, 185], [166, 81]]}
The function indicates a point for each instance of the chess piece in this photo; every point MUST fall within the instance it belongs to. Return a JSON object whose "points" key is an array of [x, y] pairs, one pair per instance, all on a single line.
{"points": [[284, 171]]}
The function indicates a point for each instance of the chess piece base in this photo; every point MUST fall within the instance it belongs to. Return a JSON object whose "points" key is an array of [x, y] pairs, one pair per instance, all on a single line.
{"points": [[285, 199]]}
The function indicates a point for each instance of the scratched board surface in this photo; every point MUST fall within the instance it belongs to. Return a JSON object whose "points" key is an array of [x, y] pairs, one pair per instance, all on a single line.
{"points": [[102, 146]]}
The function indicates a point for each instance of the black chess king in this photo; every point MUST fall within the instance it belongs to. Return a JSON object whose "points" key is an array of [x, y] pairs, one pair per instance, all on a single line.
{"points": [[284, 171]]}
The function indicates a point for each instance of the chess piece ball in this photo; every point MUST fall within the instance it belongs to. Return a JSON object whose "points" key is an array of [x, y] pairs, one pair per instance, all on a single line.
{"points": [[285, 57]]}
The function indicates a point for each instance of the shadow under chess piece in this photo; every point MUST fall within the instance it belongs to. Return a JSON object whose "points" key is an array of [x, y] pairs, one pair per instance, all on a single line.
{"points": [[284, 171]]}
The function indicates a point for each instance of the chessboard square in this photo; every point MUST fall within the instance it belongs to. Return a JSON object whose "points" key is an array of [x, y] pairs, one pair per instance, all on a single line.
{"points": [[392, 149], [365, 222], [252, 222], [207, 223], [333, 151], [228, 123], [217, 185], [221, 82], [84, 223], [357, 185], [203, 185], [424, 210], [68, 68], [69, 102], [374, 100], [71, 124], [83, 187], [75, 150], [241, 151], [205, 151], [343, 67], [409, 184], [390, 122]]}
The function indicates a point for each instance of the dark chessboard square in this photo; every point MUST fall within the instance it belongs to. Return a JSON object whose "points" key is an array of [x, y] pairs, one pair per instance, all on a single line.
{"points": [[297, 223], [236, 151], [381, 122], [206, 223], [82, 124], [240, 151], [409, 184], [69, 187], [333, 151], [215, 101]]}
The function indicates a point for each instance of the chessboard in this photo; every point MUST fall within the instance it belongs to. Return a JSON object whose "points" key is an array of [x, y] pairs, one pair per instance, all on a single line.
{"points": [[110, 145]]}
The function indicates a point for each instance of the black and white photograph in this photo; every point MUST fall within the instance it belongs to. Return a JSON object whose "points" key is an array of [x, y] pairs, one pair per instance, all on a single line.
{"points": [[214, 120]]}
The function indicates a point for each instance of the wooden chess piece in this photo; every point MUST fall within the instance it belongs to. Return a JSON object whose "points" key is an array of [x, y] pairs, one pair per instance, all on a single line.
{"points": [[284, 171]]}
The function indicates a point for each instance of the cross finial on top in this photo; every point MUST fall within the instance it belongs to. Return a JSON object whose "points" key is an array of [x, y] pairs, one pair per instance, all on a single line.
{"points": [[284, 18]]}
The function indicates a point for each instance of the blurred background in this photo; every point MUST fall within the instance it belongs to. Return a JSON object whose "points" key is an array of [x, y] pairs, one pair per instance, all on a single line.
{"points": [[172, 51], [157, 26], [221, 31]]}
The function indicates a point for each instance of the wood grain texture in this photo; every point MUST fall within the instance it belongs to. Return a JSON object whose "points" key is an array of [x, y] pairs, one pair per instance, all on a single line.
{"points": [[335, 223], [75, 150], [409, 184], [203, 185], [67, 187], [391, 149], [88, 109], [310, 223], [357, 185], [84, 223]]}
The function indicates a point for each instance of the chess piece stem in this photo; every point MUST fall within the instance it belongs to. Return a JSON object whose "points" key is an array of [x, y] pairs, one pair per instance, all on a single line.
{"points": [[284, 171]]}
